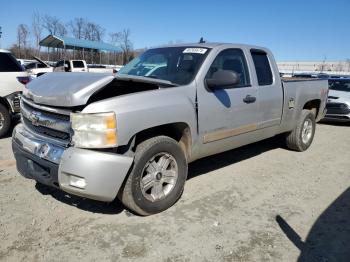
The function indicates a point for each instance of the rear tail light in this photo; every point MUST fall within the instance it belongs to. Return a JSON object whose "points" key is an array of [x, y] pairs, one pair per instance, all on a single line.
{"points": [[23, 79]]}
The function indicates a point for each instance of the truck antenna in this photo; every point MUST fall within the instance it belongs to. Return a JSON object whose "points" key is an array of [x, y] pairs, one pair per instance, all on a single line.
{"points": [[201, 41]]}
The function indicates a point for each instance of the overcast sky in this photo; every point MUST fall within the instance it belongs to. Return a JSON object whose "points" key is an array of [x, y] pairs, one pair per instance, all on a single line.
{"points": [[294, 30]]}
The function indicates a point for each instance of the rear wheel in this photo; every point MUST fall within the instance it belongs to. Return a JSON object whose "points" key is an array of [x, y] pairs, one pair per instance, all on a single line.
{"points": [[302, 135], [157, 177], [5, 120]]}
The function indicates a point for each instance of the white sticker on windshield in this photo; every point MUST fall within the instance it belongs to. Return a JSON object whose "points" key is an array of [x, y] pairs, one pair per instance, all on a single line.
{"points": [[194, 50]]}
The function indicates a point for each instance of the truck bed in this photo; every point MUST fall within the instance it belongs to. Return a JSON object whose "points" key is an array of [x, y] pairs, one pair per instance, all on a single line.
{"points": [[297, 91]]}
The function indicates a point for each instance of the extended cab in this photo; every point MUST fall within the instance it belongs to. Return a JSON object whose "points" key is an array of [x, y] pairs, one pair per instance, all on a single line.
{"points": [[12, 81], [132, 135]]}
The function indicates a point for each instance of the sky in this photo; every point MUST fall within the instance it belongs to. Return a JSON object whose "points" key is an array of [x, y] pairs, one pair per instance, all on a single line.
{"points": [[298, 30]]}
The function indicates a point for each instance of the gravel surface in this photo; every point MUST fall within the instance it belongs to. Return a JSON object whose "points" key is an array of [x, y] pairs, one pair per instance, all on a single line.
{"points": [[257, 203]]}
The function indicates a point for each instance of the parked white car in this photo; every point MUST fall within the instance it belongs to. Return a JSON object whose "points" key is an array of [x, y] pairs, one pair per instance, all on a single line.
{"points": [[38, 67], [13, 79]]}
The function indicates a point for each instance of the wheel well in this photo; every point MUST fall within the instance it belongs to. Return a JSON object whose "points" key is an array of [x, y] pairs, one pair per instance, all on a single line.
{"points": [[314, 106], [178, 131], [4, 102]]}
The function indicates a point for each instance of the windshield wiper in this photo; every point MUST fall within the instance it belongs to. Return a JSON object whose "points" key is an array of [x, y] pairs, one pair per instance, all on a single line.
{"points": [[151, 76], [160, 82], [155, 77]]}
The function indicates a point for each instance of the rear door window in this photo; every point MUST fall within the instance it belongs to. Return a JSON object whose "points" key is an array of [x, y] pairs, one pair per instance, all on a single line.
{"points": [[78, 64], [9, 64], [262, 67]]}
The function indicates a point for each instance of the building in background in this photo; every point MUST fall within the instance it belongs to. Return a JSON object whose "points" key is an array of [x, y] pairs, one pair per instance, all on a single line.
{"points": [[328, 67]]}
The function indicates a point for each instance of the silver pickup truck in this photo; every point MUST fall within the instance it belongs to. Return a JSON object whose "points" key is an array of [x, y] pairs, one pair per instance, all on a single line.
{"points": [[132, 135]]}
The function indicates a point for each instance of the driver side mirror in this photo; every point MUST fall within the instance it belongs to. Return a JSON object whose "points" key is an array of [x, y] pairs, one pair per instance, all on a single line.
{"points": [[222, 79]]}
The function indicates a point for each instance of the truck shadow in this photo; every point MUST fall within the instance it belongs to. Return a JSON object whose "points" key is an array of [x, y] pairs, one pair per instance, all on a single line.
{"points": [[334, 123], [211, 163], [85, 204], [329, 237]]}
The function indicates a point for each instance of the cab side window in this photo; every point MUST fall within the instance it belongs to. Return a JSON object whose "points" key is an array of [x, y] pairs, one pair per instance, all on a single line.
{"points": [[262, 67], [232, 60]]}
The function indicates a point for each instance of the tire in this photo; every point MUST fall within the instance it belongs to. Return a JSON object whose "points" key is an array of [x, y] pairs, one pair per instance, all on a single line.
{"points": [[5, 120], [146, 172], [300, 139]]}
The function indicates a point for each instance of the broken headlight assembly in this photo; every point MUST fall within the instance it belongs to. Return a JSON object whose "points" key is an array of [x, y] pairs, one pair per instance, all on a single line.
{"points": [[94, 130]]}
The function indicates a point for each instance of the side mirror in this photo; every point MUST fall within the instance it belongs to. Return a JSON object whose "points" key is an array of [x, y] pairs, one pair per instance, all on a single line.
{"points": [[222, 79]]}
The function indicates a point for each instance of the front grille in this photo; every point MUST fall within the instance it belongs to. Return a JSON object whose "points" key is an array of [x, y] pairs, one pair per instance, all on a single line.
{"points": [[338, 108], [41, 121], [47, 113], [46, 131]]}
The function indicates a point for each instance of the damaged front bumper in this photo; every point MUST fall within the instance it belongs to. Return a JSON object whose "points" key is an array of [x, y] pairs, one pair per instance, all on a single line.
{"points": [[82, 172]]}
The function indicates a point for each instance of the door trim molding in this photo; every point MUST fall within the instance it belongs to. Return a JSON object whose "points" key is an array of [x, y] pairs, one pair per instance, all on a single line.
{"points": [[222, 134]]}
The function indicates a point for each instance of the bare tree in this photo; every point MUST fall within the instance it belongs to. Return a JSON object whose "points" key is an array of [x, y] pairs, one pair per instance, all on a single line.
{"points": [[122, 39], [77, 27], [22, 38], [37, 29], [50, 24], [93, 32], [54, 26], [61, 29]]}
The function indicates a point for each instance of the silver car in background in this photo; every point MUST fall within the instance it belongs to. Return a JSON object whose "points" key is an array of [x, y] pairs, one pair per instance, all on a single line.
{"points": [[338, 104]]}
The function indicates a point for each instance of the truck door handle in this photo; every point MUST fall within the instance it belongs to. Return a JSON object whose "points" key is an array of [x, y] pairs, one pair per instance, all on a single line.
{"points": [[249, 99]]}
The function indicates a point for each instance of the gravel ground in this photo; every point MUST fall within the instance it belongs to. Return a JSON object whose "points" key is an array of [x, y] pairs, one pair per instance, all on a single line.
{"points": [[258, 203]]}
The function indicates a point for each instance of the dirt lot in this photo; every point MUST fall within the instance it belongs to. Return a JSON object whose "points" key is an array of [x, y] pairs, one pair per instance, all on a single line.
{"points": [[257, 203]]}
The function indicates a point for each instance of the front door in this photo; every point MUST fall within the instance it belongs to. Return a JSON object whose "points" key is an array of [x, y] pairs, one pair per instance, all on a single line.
{"points": [[227, 114]]}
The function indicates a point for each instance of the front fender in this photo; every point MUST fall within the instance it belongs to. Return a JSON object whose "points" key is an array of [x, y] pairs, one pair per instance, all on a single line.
{"points": [[140, 111]]}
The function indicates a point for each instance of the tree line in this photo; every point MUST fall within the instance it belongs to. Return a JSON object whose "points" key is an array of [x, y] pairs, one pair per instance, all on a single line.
{"points": [[29, 36]]}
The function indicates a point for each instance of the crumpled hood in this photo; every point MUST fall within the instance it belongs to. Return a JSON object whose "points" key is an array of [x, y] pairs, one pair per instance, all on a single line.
{"points": [[74, 89], [65, 89], [339, 96]]}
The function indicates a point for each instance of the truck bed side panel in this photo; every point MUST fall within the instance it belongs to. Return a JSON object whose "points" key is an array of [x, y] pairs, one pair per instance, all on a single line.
{"points": [[296, 95]]}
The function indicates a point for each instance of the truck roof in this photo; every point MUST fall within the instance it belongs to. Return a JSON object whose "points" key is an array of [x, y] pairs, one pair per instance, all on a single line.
{"points": [[4, 51], [213, 45]]}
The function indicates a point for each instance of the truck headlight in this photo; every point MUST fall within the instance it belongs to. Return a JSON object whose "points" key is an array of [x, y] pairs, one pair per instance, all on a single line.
{"points": [[94, 130]]}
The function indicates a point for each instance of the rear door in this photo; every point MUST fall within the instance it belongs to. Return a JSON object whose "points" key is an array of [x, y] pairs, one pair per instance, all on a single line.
{"points": [[269, 89], [225, 113]]}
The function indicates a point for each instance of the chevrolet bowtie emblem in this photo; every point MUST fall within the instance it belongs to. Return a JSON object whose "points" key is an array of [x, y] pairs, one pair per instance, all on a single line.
{"points": [[34, 118]]}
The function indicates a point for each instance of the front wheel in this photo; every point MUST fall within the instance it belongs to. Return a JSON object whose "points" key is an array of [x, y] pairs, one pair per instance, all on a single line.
{"points": [[302, 135], [157, 178]]}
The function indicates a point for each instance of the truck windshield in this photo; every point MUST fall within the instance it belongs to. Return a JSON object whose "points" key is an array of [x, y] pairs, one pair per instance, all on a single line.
{"points": [[178, 65], [339, 85]]}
